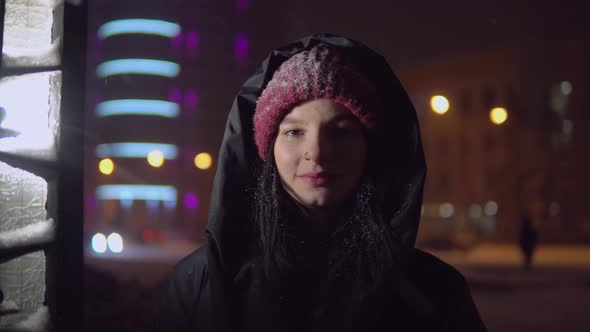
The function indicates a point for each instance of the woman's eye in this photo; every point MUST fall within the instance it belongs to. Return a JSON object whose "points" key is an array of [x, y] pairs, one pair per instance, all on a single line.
{"points": [[293, 132]]}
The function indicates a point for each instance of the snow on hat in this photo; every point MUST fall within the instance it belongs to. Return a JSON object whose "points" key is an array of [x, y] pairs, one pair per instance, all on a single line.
{"points": [[319, 72]]}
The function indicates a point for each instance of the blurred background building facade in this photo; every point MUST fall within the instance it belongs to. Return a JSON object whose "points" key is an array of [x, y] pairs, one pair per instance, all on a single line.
{"points": [[504, 141], [526, 61], [157, 74], [483, 176]]}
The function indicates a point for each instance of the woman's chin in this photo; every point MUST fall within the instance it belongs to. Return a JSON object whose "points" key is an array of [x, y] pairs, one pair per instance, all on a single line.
{"points": [[321, 201], [318, 197]]}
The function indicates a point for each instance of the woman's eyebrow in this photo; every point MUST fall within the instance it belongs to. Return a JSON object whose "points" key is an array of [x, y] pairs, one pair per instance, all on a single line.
{"points": [[291, 121]]}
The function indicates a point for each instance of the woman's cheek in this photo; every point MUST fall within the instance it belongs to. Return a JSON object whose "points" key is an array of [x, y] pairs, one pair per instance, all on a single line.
{"points": [[286, 158]]}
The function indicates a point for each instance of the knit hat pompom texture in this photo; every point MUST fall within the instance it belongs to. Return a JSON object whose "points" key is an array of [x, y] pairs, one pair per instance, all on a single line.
{"points": [[319, 72]]}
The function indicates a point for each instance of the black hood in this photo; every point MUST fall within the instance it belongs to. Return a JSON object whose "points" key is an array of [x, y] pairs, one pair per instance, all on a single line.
{"points": [[401, 170]]}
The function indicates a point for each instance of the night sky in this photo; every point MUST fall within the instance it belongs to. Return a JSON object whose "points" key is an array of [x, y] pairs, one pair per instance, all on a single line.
{"points": [[413, 31]]}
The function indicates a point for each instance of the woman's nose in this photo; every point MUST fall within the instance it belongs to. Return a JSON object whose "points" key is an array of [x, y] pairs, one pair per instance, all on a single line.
{"points": [[318, 149]]}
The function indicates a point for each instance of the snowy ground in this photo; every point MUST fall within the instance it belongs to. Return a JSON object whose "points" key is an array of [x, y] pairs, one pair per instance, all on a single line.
{"points": [[554, 296], [544, 299]]}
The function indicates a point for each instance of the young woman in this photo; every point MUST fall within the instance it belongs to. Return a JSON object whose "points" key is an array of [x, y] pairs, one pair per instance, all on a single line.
{"points": [[315, 208]]}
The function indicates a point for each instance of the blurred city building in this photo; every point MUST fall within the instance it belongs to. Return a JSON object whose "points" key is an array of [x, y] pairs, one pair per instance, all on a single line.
{"points": [[505, 133], [157, 75], [483, 177]]}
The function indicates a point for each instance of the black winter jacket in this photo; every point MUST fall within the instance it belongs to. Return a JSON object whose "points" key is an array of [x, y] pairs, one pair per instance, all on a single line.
{"points": [[438, 293]]}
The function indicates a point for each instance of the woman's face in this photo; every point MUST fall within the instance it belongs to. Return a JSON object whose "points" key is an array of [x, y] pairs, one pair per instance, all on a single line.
{"points": [[320, 152]]}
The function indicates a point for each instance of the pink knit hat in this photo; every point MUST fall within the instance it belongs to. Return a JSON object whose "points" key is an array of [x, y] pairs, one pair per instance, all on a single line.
{"points": [[320, 72]]}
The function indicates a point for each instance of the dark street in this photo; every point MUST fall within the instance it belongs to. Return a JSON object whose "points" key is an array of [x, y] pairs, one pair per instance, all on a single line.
{"points": [[545, 299], [553, 296]]}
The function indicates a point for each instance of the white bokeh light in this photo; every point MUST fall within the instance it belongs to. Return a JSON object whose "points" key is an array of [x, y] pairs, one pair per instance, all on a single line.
{"points": [[99, 243], [566, 87], [446, 210], [439, 104], [115, 242], [491, 208]]}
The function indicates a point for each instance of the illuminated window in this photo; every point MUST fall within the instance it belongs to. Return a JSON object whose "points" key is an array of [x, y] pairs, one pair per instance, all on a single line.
{"points": [[143, 107], [135, 150], [139, 26], [138, 66], [136, 192]]}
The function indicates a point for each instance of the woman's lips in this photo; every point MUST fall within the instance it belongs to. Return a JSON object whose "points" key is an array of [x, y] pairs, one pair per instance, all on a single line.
{"points": [[315, 179]]}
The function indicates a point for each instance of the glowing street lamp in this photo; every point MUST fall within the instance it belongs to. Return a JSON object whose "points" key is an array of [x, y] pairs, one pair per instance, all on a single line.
{"points": [[203, 160], [498, 115], [439, 104], [106, 166], [155, 158]]}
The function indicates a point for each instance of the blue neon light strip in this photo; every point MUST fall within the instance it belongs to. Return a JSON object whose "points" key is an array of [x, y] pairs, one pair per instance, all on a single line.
{"points": [[135, 150], [139, 26], [138, 66], [127, 192], [138, 107]]}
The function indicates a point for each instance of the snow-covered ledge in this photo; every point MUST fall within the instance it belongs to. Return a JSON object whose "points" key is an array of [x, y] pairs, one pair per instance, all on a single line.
{"points": [[41, 232], [38, 321]]}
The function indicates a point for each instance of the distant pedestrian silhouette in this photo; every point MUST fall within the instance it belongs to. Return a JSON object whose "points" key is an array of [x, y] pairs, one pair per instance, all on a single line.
{"points": [[527, 240]]}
